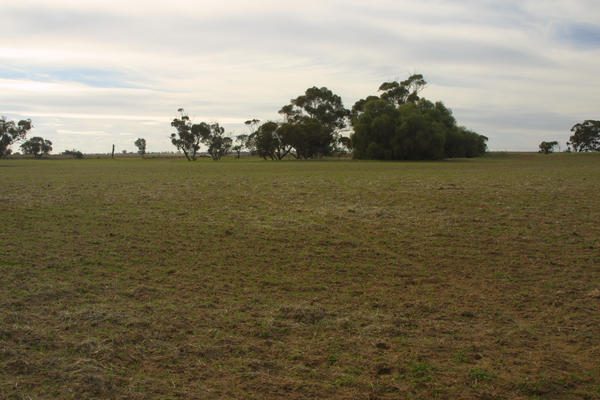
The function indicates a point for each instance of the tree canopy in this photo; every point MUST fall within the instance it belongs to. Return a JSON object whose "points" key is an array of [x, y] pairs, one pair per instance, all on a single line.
{"points": [[140, 143], [400, 125], [189, 136], [10, 132], [213, 137], [37, 146], [185, 139], [548, 147], [311, 123], [396, 125], [406, 91], [586, 136]]}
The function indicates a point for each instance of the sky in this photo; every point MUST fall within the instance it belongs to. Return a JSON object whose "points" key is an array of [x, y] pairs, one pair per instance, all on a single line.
{"points": [[90, 74]]}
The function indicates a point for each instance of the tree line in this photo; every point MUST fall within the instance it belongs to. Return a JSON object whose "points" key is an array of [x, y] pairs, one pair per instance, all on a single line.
{"points": [[586, 137], [396, 124]]}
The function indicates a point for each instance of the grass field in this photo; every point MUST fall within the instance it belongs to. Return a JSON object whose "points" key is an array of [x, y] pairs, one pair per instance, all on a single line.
{"points": [[163, 279]]}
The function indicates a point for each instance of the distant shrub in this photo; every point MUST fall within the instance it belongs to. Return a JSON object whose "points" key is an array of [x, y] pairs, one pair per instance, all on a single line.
{"points": [[548, 147], [74, 153]]}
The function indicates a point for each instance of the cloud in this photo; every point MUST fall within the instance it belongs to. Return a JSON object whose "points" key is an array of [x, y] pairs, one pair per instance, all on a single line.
{"points": [[127, 66]]}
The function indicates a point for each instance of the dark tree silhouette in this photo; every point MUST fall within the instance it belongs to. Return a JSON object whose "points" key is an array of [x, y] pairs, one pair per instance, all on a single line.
{"points": [[11, 132]]}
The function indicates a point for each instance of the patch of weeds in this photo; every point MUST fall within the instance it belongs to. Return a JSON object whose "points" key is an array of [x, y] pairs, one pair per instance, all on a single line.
{"points": [[332, 359], [344, 381], [353, 370], [420, 373], [461, 357], [480, 375], [270, 330], [400, 340]]}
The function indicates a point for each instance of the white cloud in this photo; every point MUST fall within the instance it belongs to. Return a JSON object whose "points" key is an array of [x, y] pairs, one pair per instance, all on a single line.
{"points": [[125, 67]]}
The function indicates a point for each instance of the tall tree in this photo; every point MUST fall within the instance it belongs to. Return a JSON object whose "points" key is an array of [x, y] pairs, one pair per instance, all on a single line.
{"points": [[240, 141], [140, 143], [548, 147], [586, 136], [11, 132], [270, 141], [317, 117], [188, 136], [249, 142], [37, 146], [213, 137]]}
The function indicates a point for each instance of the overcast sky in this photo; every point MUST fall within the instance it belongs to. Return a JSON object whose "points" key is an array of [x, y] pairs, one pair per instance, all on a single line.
{"points": [[90, 73]]}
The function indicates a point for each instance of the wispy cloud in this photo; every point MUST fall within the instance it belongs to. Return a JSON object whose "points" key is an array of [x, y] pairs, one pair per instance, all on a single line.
{"points": [[123, 68]]}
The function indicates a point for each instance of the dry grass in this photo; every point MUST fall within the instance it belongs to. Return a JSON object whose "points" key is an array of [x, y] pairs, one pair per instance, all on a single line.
{"points": [[246, 279]]}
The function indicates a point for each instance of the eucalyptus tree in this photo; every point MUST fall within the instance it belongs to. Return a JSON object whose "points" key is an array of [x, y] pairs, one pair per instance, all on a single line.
{"points": [[548, 147], [10, 132], [140, 143], [37, 146], [188, 137], [312, 122], [407, 91], [586, 136]]}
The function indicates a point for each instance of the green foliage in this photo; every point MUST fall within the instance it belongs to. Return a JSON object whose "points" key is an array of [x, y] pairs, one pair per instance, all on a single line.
{"points": [[399, 93], [218, 144], [359, 106], [11, 132], [402, 126], [548, 147], [74, 153], [309, 138], [320, 104], [186, 139], [312, 122], [37, 146], [269, 140], [189, 136], [140, 143], [586, 136], [480, 375]]}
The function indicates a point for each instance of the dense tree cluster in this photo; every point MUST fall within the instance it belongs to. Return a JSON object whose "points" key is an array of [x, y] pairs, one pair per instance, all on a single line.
{"points": [[396, 125], [586, 136], [399, 125], [11, 132], [310, 128]]}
